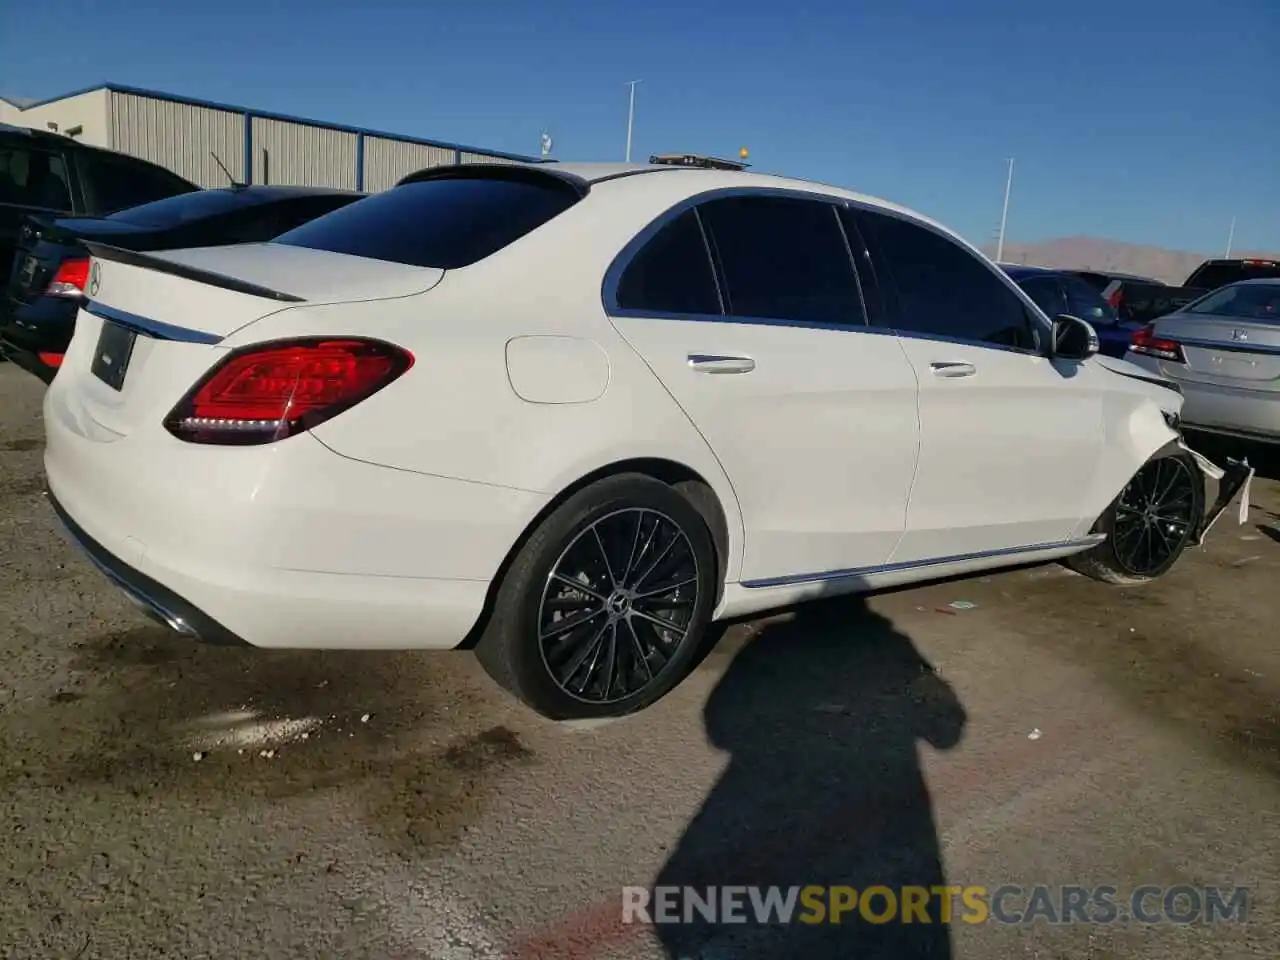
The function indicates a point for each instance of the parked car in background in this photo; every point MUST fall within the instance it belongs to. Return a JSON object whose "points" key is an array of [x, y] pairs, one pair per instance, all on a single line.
{"points": [[1141, 301], [55, 175], [1058, 292], [1224, 352], [47, 282], [526, 404]]}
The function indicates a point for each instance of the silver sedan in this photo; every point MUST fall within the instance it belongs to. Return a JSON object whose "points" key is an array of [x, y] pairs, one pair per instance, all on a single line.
{"points": [[1223, 350]]}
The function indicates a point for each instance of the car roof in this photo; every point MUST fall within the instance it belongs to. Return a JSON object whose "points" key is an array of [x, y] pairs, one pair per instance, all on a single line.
{"points": [[1020, 271], [698, 180], [1257, 282]]}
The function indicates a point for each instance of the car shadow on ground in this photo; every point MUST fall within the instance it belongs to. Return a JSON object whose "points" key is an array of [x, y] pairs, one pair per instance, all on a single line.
{"points": [[822, 715]]}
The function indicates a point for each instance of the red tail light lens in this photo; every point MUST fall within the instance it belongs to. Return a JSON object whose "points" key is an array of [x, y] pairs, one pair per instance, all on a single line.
{"points": [[1146, 342], [274, 390], [70, 280]]}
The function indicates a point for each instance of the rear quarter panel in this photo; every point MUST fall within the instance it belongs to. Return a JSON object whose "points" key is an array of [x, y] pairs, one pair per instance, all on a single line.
{"points": [[460, 413]]}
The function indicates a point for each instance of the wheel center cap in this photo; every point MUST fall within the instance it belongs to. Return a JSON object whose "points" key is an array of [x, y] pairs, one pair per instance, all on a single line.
{"points": [[618, 604]]}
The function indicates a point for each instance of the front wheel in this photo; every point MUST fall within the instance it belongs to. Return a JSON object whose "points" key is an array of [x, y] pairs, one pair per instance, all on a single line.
{"points": [[604, 607], [1149, 525]]}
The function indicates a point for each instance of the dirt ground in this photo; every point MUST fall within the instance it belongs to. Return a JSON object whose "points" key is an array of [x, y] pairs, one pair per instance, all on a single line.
{"points": [[160, 799]]}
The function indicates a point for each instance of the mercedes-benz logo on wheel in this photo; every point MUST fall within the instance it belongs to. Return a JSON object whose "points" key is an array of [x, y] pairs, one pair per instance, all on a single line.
{"points": [[95, 279]]}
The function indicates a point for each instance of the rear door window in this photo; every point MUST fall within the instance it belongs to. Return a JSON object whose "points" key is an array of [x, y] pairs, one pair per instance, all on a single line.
{"points": [[783, 258], [115, 182], [672, 273], [34, 178], [943, 289], [446, 223]]}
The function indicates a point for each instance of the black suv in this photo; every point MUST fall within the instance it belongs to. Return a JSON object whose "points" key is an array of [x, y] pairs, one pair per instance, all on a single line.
{"points": [[52, 174], [47, 282]]}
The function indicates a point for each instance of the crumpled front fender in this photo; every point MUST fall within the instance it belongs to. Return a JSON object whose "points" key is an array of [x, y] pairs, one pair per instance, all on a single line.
{"points": [[1233, 479]]}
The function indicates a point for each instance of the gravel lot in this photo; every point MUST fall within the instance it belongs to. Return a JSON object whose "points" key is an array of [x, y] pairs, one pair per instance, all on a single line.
{"points": [[162, 799]]}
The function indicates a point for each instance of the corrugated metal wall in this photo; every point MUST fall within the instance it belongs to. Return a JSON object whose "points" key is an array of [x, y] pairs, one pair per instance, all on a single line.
{"points": [[185, 137], [484, 158], [179, 136], [386, 161], [303, 156]]}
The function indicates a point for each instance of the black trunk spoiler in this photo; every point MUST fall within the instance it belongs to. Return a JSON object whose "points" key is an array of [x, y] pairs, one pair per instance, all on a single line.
{"points": [[133, 258]]}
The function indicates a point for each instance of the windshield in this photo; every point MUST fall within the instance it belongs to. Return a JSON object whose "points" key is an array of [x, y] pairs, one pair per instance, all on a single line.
{"points": [[172, 211], [1245, 301]]}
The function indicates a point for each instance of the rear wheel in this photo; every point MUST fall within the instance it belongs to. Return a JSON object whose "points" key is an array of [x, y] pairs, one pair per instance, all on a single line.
{"points": [[1149, 524], [603, 609]]}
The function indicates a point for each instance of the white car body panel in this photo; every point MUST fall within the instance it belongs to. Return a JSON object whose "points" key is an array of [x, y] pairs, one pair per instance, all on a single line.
{"points": [[1015, 409], [820, 439], [836, 462]]}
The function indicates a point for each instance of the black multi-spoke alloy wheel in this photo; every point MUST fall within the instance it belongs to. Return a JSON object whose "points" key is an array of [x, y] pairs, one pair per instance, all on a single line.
{"points": [[602, 611], [1149, 525]]}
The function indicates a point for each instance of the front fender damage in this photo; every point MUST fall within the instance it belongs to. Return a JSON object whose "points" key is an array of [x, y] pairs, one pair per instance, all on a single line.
{"points": [[1232, 479]]}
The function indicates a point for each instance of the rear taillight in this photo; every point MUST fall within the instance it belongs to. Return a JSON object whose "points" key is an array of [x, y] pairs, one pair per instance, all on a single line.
{"points": [[274, 390], [70, 280], [1145, 341]]}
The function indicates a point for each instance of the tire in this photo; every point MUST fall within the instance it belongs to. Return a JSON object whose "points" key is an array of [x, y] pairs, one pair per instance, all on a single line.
{"points": [[1112, 560], [634, 663]]}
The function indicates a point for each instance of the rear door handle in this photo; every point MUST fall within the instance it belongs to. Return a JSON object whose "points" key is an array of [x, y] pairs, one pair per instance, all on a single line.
{"points": [[952, 368], [713, 363]]}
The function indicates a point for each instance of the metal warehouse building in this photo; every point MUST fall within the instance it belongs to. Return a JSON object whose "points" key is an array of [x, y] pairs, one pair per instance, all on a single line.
{"points": [[186, 135]]}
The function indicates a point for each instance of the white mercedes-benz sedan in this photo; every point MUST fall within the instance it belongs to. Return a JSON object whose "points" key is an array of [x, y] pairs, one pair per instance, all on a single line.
{"points": [[571, 414]]}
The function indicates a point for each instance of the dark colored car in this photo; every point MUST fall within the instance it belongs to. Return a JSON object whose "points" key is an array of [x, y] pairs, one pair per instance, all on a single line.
{"points": [[1063, 291], [1141, 301], [47, 281], [54, 175]]}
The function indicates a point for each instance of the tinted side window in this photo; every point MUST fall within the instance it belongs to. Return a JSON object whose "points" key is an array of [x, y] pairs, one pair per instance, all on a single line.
{"points": [[116, 182], [34, 178], [783, 259], [1047, 295], [447, 223], [944, 289], [1086, 303], [672, 273]]}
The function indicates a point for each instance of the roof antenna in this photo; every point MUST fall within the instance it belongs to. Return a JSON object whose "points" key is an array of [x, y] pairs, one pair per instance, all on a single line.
{"points": [[235, 184]]}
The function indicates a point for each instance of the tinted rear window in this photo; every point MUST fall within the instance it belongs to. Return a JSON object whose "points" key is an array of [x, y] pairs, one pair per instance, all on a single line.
{"points": [[1245, 301], [446, 223], [1214, 275], [173, 211]]}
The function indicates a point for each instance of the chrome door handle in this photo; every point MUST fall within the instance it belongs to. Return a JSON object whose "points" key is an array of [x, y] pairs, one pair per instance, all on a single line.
{"points": [[948, 368], [711, 363]]}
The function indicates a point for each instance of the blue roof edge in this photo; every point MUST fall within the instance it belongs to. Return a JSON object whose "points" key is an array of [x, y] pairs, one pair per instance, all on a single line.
{"points": [[282, 117]]}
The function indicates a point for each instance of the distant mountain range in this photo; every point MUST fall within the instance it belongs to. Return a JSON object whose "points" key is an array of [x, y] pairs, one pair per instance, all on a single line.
{"points": [[1091, 253]]}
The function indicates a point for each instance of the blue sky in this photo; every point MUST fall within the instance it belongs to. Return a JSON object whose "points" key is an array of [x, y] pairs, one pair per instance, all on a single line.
{"points": [[1138, 120]]}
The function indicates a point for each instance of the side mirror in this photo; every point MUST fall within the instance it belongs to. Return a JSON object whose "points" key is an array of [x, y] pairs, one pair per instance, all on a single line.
{"points": [[1072, 339]]}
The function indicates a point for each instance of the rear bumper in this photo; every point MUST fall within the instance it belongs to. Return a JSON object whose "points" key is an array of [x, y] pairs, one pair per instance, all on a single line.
{"points": [[27, 360], [286, 545], [156, 600], [1226, 410]]}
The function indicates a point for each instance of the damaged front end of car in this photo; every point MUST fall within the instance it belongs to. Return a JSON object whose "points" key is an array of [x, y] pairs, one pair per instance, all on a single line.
{"points": [[1233, 480]]}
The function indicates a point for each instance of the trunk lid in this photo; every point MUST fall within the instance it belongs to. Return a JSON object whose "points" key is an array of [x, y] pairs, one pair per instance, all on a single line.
{"points": [[153, 323], [1226, 351]]}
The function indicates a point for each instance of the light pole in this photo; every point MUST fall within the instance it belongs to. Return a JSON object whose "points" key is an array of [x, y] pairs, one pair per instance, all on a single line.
{"points": [[1231, 236], [631, 115], [1004, 213]]}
